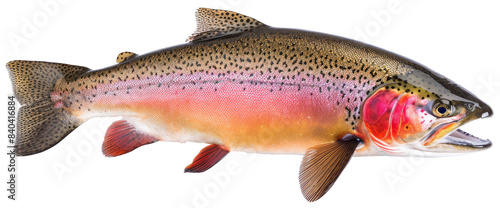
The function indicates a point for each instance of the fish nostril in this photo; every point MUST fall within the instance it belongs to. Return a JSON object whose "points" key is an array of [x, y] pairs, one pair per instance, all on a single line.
{"points": [[469, 106]]}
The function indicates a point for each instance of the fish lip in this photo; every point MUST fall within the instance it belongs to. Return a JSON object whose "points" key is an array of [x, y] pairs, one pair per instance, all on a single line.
{"points": [[461, 138], [431, 134], [456, 137]]}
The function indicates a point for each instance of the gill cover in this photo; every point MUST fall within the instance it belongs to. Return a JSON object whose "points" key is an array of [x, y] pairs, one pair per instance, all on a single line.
{"points": [[397, 114]]}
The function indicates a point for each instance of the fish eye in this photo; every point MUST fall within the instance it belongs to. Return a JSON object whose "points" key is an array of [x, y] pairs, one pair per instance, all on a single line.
{"points": [[442, 108]]}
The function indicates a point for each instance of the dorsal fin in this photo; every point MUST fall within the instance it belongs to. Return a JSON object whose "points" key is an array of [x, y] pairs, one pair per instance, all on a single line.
{"points": [[214, 23], [123, 56]]}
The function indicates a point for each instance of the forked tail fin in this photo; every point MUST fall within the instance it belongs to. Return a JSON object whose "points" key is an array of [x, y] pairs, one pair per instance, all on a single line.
{"points": [[40, 125]]}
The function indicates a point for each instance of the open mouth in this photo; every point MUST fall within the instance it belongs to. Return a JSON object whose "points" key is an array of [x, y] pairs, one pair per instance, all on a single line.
{"points": [[462, 138], [448, 134]]}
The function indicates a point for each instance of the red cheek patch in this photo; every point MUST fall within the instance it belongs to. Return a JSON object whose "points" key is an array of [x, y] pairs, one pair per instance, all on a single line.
{"points": [[405, 121], [377, 111]]}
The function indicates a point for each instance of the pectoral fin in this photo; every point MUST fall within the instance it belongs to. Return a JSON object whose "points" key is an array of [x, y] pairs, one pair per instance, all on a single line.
{"points": [[208, 157], [322, 165]]}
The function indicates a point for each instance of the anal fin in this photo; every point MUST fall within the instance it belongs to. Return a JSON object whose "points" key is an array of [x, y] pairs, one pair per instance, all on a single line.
{"points": [[121, 138], [208, 157], [322, 165]]}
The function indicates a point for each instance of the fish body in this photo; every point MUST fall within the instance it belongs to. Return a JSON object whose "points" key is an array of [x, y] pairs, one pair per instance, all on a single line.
{"points": [[269, 90], [240, 85]]}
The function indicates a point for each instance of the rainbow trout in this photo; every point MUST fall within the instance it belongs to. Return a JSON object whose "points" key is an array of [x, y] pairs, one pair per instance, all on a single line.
{"points": [[240, 85]]}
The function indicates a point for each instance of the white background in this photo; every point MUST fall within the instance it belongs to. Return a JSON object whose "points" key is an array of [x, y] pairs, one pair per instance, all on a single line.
{"points": [[457, 39]]}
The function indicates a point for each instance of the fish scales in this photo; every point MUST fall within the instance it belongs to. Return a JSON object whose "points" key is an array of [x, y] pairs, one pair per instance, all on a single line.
{"points": [[285, 64]]}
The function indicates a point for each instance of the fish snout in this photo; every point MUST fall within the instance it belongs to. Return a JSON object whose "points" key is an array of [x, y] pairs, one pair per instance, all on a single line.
{"points": [[486, 111]]}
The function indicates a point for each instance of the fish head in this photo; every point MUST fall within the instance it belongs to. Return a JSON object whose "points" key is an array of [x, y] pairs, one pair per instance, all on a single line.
{"points": [[420, 112]]}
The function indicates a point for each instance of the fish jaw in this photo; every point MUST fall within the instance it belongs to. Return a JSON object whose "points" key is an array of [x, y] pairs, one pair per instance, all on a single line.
{"points": [[449, 139], [461, 138]]}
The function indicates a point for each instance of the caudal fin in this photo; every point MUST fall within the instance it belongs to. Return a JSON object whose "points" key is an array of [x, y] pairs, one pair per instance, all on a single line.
{"points": [[40, 125]]}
